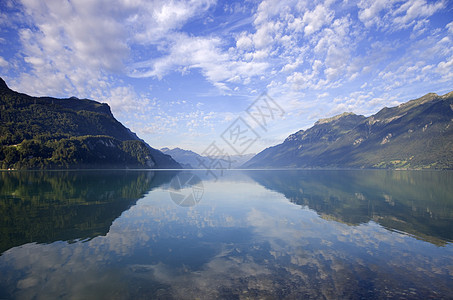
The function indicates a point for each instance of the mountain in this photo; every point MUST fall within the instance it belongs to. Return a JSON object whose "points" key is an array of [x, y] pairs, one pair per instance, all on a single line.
{"points": [[186, 158], [417, 134], [50, 133], [191, 160]]}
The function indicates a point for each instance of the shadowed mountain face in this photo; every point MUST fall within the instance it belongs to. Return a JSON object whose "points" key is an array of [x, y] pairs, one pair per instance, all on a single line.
{"points": [[417, 203], [416, 134], [44, 207], [44, 133]]}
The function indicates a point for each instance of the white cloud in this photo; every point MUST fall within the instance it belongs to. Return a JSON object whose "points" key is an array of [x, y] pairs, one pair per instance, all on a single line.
{"points": [[421, 65], [264, 35], [395, 15], [77, 44], [154, 20], [88, 32], [70, 47], [446, 68], [419, 28], [449, 27], [207, 55], [3, 62], [244, 42], [413, 9], [337, 43], [317, 18], [363, 102], [268, 9], [292, 66], [80, 38], [308, 78], [370, 11], [323, 95], [330, 58], [126, 100]]}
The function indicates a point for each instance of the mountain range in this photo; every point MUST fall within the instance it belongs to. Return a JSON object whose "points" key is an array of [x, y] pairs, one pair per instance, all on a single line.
{"points": [[417, 134], [50, 133], [191, 160]]}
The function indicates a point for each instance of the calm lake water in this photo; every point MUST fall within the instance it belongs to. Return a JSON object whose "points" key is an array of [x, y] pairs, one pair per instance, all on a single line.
{"points": [[246, 234]]}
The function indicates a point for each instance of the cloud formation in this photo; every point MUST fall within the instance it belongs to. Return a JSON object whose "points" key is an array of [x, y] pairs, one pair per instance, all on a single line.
{"points": [[107, 50]]}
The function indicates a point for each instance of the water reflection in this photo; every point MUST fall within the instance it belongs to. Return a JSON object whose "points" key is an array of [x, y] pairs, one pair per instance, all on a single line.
{"points": [[418, 203], [186, 189], [50, 206], [244, 239]]}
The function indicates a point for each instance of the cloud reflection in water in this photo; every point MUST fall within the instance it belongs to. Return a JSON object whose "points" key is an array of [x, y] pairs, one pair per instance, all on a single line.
{"points": [[242, 240]]}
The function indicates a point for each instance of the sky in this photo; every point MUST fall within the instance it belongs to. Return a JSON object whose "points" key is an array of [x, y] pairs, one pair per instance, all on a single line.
{"points": [[228, 76]]}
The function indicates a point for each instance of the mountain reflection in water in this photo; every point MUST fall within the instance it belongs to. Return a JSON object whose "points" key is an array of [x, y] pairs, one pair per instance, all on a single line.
{"points": [[45, 207], [418, 203], [251, 234]]}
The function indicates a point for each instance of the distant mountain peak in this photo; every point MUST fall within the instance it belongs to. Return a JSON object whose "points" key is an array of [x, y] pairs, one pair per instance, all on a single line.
{"points": [[334, 118], [177, 149], [419, 101]]}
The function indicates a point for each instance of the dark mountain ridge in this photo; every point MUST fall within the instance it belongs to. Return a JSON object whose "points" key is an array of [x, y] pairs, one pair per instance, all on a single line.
{"points": [[416, 134], [46, 132]]}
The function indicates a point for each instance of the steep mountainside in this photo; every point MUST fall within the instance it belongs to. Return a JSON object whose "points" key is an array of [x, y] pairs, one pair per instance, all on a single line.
{"points": [[416, 134], [44, 132]]}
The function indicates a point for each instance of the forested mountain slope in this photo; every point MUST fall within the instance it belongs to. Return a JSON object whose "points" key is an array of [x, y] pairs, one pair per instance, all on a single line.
{"points": [[50, 133]]}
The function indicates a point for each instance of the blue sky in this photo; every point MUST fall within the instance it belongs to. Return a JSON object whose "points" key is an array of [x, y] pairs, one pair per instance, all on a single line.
{"points": [[179, 73]]}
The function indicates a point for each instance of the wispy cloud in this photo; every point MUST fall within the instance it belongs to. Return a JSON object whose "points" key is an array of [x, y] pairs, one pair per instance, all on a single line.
{"points": [[208, 50]]}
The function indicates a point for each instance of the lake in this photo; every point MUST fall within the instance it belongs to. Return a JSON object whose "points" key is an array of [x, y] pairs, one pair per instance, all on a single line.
{"points": [[272, 234]]}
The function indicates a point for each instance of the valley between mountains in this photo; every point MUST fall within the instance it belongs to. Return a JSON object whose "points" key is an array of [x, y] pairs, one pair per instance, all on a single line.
{"points": [[50, 133]]}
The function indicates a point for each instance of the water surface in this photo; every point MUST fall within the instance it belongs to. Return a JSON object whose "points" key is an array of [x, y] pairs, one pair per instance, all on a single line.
{"points": [[246, 234]]}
